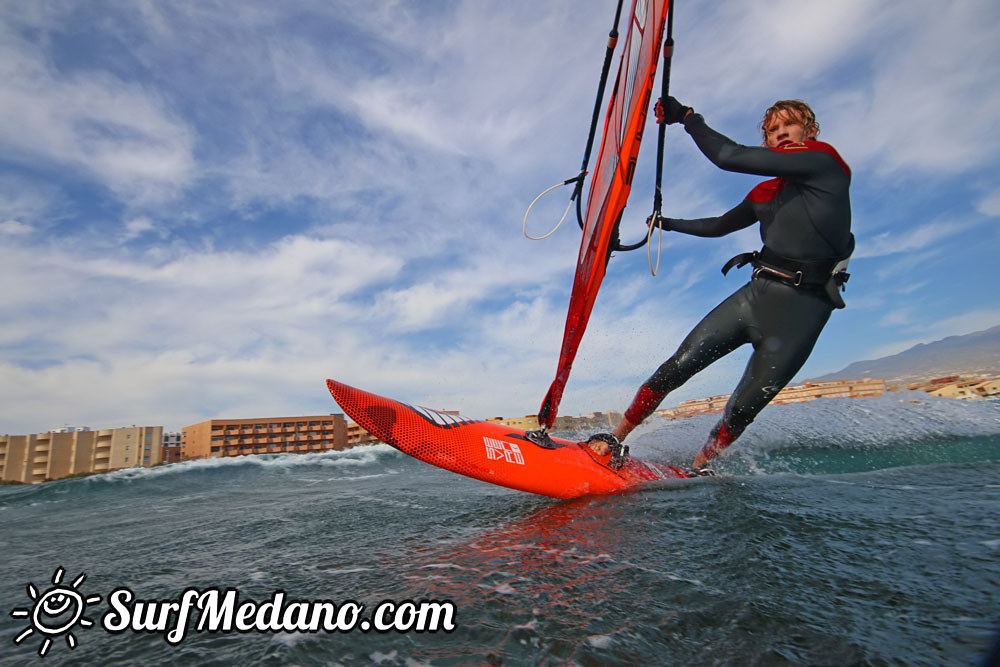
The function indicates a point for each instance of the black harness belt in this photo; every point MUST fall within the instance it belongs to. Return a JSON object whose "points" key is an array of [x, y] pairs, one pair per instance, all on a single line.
{"points": [[825, 275]]}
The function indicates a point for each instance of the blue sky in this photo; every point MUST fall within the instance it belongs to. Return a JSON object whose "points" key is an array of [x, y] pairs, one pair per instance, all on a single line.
{"points": [[209, 207]]}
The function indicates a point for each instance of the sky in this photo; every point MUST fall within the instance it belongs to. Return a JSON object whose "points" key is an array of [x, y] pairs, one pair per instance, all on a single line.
{"points": [[208, 207]]}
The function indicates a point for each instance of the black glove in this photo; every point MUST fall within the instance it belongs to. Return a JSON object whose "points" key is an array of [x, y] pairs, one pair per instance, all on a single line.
{"points": [[671, 112], [657, 220]]}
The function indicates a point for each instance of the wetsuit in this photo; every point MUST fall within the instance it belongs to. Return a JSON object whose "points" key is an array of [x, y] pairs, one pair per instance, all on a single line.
{"points": [[805, 221]]}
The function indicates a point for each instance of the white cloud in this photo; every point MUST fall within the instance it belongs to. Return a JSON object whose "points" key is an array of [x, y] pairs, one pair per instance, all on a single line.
{"points": [[780, 45], [14, 228], [28, 202], [220, 300], [119, 132], [896, 318], [137, 227], [979, 319], [990, 205], [902, 87], [908, 241], [931, 106]]}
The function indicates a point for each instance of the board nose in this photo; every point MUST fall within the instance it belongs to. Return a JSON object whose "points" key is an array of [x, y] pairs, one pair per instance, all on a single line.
{"points": [[420, 432], [371, 412]]}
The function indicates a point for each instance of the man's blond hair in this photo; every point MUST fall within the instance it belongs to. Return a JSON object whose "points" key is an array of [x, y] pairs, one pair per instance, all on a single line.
{"points": [[795, 108]]}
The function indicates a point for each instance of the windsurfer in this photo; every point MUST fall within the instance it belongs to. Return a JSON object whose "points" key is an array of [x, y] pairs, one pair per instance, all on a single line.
{"points": [[805, 225]]}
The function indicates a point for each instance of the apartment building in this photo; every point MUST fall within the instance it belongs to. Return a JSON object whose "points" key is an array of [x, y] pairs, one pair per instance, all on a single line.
{"points": [[271, 435], [801, 393], [596, 421], [172, 447], [698, 406], [358, 436], [864, 388], [526, 423], [41, 457], [972, 389]]}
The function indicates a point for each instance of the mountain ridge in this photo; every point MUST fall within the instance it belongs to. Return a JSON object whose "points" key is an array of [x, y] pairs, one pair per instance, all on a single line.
{"points": [[976, 353]]}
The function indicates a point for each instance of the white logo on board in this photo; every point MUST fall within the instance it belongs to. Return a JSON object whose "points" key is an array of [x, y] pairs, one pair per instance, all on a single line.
{"points": [[498, 449]]}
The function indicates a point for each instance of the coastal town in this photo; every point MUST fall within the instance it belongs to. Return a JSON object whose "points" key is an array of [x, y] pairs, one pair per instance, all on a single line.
{"points": [[79, 451]]}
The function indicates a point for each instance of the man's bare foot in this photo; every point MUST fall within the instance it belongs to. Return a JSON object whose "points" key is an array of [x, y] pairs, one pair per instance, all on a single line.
{"points": [[599, 447], [599, 442], [603, 444]]}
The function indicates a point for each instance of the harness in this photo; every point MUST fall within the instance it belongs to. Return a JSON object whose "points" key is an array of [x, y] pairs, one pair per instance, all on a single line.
{"points": [[820, 275]]}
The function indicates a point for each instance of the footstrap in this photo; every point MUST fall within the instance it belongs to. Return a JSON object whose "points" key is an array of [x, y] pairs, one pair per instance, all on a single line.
{"points": [[619, 452]]}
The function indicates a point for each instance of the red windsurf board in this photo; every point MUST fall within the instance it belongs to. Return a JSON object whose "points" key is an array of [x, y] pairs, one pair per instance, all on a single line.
{"points": [[493, 452]]}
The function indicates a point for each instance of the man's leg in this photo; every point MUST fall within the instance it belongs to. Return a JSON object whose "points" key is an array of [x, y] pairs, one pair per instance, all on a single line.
{"points": [[719, 333], [718, 440], [791, 328]]}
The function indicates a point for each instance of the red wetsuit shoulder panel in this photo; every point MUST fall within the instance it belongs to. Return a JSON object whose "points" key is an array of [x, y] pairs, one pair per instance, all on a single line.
{"points": [[824, 147], [819, 146], [766, 191]]}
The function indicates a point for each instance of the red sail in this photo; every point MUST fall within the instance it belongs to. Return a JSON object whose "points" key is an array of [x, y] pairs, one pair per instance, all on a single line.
{"points": [[612, 180]]}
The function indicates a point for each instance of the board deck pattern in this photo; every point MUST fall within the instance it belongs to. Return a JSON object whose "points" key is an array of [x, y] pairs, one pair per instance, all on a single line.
{"points": [[493, 452]]}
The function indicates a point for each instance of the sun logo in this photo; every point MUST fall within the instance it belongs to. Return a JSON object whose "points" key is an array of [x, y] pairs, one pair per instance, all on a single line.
{"points": [[55, 612]]}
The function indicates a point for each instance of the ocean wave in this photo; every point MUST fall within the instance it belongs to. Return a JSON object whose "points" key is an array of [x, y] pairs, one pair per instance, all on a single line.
{"points": [[859, 423], [362, 460], [361, 455], [829, 434]]}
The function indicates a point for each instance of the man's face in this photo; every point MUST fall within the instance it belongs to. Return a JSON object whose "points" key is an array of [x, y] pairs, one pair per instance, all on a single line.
{"points": [[784, 128]]}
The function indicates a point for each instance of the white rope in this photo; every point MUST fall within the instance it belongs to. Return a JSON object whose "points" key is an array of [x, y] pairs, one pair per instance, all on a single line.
{"points": [[659, 248], [524, 225]]}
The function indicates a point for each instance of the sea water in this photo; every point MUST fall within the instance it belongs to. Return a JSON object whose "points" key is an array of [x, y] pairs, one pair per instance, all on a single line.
{"points": [[838, 532]]}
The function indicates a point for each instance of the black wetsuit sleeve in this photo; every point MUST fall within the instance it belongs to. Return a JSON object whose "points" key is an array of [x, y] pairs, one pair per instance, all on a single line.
{"points": [[731, 156], [739, 217]]}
